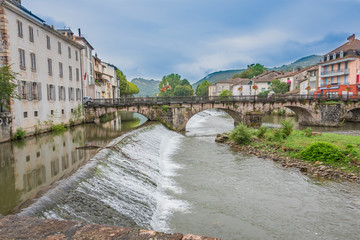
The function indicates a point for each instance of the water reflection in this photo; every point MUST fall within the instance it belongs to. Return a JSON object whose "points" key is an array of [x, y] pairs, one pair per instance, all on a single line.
{"points": [[29, 166]]}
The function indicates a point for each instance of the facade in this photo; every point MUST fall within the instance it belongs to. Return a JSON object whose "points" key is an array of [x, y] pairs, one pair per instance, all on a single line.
{"points": [[87, 66], [242, 88], [217, 88], [106, 84], [308, 85], [288, 78], [263, 81], [339, 70], [48, 66]]}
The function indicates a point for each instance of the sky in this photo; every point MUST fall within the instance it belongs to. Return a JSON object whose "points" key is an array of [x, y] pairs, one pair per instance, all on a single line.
{"points": [[154, 38]]}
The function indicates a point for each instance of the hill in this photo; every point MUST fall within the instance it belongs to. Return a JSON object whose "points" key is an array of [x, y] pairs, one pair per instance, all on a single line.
{"points": [[223, 75], [147, 87], [217, 76]]}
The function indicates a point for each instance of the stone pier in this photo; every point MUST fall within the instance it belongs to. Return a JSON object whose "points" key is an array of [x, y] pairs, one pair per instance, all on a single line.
{"points": [[16, 227]]}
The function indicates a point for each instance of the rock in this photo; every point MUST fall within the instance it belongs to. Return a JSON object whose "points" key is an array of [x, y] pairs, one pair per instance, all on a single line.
{"points": [[221, 138]]}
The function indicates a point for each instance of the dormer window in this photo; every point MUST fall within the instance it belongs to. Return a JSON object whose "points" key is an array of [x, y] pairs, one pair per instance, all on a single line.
{"points": [[341, 54], [334, 56], [322, 59], [328, 58]]}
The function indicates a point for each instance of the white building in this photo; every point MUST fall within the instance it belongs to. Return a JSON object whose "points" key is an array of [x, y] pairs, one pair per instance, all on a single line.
{"points": [[106, 84], [49, 68]]}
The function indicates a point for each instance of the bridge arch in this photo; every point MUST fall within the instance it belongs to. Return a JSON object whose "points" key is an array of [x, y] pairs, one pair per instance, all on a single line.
{"points": [[304, 114], [353, 115]]}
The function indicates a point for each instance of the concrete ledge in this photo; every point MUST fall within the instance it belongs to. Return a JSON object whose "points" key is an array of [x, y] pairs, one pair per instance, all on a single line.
{"points": [[15, 227]]}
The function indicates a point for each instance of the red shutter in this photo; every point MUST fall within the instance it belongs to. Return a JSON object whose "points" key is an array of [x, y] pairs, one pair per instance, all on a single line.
{"points": [[357, 78]]}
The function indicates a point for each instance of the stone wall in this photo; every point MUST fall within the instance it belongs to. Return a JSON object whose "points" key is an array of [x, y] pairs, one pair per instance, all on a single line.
{"points": [[5, 126]]}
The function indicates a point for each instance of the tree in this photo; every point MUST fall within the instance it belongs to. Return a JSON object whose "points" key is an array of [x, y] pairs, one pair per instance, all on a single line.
{"points": [[126, 88], [203, 89], [7, 86], [252, 70], [279, 87], [183, 90], [225, 94], [169, 83]]}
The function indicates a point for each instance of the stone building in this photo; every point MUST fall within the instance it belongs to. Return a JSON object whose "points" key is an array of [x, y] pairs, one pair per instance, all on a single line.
{"points": [[48, 65]]}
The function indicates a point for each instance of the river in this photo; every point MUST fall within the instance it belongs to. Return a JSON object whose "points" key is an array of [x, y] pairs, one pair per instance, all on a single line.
{"points": [[158, 179]]}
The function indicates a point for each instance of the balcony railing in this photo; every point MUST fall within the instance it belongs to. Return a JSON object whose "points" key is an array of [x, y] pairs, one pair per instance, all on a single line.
{"points": [[334, 72]]}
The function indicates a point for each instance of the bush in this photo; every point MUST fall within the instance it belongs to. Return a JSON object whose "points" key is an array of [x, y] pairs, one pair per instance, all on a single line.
{"points": [[241, 134], [323, 152], [277, 135], [59, 128], [287, 127], [261, 132], [19, 134], [165, 108], [308, 132]]}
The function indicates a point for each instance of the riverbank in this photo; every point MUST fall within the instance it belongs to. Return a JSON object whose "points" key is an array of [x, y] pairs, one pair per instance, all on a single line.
{"points": [[15, 227], [287, 153]]}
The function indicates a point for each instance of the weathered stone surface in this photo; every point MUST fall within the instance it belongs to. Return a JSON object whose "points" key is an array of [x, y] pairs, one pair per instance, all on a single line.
{"points": [[16, 227]]}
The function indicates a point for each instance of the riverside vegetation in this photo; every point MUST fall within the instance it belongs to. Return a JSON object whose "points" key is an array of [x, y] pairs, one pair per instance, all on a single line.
{"points": [[326, 155]]}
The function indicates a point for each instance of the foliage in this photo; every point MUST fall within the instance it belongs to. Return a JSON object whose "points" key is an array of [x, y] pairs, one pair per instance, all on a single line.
{"points": [[279, 87], [264, 94], [241, 134], [225, 94], [287, 127], [59, 127], [276, 135], [183, 90], [126, 88], [252, 70], [322, 151], [308, 132], [19, 134], [169, 83], [148, 88], [77, 114], [165, 108], [7, 85], [203, 89], [261, 132]]}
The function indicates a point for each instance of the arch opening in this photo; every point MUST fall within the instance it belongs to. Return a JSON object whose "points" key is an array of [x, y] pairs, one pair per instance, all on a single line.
{"points": [[353, 115], [303, 115]]}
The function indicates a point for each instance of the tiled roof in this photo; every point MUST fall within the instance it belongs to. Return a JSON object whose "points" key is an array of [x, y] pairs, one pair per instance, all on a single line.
{"points": [[352, 44], [267, 77]]}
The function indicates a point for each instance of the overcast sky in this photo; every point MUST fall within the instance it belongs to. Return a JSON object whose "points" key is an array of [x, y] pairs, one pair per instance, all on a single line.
{"points": [[153, 38]]}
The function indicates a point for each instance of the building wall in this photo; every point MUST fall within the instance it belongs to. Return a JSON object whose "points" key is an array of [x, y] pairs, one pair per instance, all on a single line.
{"points": [[87, 69], [39, 105]]}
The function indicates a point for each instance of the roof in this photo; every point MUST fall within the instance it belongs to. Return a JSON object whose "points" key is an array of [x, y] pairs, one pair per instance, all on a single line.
{"points": [[293, 92], [233, 81], [352, 44], [85, 41], [266, 77]]}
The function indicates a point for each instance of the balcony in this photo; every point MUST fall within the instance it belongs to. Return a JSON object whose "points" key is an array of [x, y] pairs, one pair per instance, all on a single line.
{"points": [[333, 73]]}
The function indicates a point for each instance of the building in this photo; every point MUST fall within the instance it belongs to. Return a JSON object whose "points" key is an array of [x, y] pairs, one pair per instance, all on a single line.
{"points": [[263, 81], [308, 84], [339, 70], [86, 66], [48, 66], [106, 83], [217, 88], [242, 88]]}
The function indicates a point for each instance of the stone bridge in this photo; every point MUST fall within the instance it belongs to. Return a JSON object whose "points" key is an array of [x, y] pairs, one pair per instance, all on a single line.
{"points": [[175, 112]]}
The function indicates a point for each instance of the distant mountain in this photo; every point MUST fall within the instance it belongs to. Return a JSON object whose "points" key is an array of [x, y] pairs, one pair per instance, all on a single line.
{"points": [[147, 87], [302, 62], [218, 76], [223, 75]]}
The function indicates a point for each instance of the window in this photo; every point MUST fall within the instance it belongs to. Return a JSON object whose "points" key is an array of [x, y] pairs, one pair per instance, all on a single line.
{"points": [[50, 67], [77, 75], [52, 114], [31, 34], [59, 47], [20, 29], [61, 71], [28, 158], [51, 92], [22, 59], [33, 62], [346, 65], [36, 113], [86, 51], [339, 67], [346, 78], [332, 68], [48, 42], [69, 52], [25, 114], [338, 79], [76, 56], [70, 73], [71, 94], [62, 96], [78, 94], [38, 154], [332, 80], [62, 111]]}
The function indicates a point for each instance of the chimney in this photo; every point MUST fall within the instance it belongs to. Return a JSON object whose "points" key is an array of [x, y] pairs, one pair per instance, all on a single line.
{"points": [[351, 38], [79, 32]]}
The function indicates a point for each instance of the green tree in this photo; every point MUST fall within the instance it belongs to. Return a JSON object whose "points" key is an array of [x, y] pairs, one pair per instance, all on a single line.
{"points": [[169, 83], [252, 70], [126, 88], [225, 93], [203, 89], [279, 87], [183, 90], [7, 86]]}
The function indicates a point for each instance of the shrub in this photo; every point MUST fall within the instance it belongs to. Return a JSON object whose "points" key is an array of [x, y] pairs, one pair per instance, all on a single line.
{"points": [[19, 134], [59, 128], [308, 132], [287, 127], [261, 132], [278, 134], [323, 152], [241, 134], [164, 108]]}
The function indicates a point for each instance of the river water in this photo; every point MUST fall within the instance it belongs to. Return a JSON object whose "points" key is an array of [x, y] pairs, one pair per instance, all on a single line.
{"points": [[158, 179]]}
